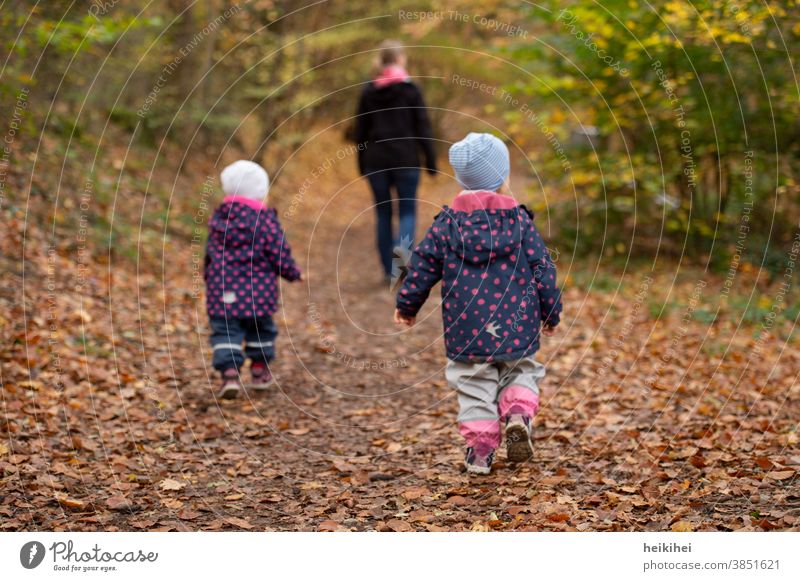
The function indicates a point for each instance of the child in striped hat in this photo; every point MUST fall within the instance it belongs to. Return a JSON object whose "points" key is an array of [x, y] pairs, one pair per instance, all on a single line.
{"points": [[499, 294]]}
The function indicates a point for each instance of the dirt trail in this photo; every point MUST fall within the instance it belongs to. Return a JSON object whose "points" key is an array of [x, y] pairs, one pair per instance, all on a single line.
{"points": [[360, 433]]}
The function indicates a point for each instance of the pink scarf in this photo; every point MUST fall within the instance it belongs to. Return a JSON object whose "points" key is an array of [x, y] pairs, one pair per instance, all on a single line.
{"points": [[390, 75], [255, 204]]}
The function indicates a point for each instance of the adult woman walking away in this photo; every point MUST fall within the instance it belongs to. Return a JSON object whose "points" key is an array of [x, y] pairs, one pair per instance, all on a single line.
{"points": [[392, 127]]}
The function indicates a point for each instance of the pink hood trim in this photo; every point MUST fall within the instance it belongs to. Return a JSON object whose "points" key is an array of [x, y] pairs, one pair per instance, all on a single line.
{"points": [[390, 75], [470, 201], [255, 204]]}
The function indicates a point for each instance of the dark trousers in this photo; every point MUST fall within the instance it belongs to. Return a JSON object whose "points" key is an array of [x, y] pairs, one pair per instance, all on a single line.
{"points": [[227, 335], [405, 182]]}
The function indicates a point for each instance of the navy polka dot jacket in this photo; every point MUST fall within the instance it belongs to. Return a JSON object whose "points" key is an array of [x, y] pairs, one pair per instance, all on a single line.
{"points": [[498, 280], [245, 253]]}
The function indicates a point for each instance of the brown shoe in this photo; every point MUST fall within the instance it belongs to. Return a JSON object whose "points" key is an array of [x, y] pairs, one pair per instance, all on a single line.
{"points": [[260, 376], [519, 446], [231, 384]]}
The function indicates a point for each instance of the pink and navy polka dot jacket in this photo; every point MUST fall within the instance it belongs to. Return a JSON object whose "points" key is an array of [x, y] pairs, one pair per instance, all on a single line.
{"points": [[498, 280], [245, 253]]}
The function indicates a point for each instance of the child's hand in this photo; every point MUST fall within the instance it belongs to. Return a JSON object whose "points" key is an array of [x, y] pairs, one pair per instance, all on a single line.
{"points": [[402, 319], [548, 331]]}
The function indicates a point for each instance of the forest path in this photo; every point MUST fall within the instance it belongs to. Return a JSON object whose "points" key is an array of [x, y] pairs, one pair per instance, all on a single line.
{"points": [[359, 431], [361, 425]]}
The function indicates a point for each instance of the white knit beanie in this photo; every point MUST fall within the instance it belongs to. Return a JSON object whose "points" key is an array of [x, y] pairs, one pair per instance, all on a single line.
{"points": [[480, 161], [245, 178]]}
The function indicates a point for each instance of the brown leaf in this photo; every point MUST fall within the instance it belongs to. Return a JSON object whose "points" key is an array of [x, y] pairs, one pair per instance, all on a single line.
{"points": [[422, 516], [415, 492], [457, 500], [71, 503], [328, 526], [399, 526], [118, 502], [780, 474], [764, 463], [188, 514], [239, 522], [172, 503], [765, 524], [342, 465]]}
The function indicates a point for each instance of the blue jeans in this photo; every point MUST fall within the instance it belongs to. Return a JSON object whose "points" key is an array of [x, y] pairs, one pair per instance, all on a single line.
{"points": [[228, 334], [405, 182]]}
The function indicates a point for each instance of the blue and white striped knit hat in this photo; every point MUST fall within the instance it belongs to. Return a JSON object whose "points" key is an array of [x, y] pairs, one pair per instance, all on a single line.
{"points": [[480, 161]]}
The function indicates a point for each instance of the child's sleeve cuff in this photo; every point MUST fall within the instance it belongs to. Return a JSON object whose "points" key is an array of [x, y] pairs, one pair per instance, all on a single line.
{"points": [[407, 311]]}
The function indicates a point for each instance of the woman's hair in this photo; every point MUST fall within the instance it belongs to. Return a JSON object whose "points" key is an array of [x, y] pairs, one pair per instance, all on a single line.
{"points": [[391, 51]]}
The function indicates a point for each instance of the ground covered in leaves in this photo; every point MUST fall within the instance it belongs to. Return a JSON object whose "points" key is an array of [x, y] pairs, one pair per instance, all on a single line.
{"points": [[652, 419]]}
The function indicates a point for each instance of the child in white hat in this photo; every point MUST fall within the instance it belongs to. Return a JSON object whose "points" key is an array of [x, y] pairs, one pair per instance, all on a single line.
{"points": [[245, 254]]}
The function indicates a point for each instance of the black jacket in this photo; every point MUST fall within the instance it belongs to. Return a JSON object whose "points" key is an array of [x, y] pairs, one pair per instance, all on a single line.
{"points": [[391, 127]]}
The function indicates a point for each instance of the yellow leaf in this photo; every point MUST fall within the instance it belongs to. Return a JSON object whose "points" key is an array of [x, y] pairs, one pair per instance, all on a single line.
{"points": [[479, 528], [682, 526]]}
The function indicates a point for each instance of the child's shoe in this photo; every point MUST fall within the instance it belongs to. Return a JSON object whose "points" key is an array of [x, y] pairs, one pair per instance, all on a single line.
{"points": [[519, 447], [260, 376], [231, 384], [479, 459]]}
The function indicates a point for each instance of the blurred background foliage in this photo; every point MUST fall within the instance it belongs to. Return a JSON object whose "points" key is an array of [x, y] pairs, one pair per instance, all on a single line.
{"points": [[638, 128]]}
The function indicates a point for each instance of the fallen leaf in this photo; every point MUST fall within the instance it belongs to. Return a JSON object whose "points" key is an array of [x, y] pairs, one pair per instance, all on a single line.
{"points": [[170, 484], [422, 516], [399, 526], [72, 503], [188, 514], [118, 502], [328, 526], [682, 526], [457, 500], [239, 522], [415, 492], [478, 527], [172, 503], [780, 474]]}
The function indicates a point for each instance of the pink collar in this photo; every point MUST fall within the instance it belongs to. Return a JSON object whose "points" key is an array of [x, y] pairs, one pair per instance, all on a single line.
{"points": [[469, 201], [390, 75], [255, 204]]}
